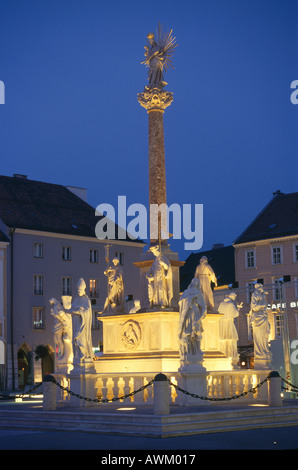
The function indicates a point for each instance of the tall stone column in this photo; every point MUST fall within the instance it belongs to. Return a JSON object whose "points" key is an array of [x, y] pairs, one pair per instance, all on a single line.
{"points": [[155, 100]]}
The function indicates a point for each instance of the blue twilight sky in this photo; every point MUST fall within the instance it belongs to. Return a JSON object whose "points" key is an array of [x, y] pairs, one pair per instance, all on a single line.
{"points": [[72, 70]]}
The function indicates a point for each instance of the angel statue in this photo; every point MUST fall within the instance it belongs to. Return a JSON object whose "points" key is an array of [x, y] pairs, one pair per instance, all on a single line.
{"points": [[158, 56]]}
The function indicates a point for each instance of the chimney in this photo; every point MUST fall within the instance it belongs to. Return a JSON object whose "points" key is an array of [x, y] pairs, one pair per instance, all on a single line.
{"points": [[17, 175]]}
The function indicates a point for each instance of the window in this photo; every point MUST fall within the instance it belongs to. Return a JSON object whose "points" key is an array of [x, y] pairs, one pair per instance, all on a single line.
{"points": [[296, 253], [276, 255], [38, 318], [250, 287], [93, 256], [66, 286], [93, 288], [95, 320], [66, 253], [120, 256], [296, 287], [38, 250], [277, 290], [250, 259], [38, 284], [279, 324]]}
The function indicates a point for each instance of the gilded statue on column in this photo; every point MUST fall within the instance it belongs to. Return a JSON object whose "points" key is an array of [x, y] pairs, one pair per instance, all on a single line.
{"points": [[158, 53]]}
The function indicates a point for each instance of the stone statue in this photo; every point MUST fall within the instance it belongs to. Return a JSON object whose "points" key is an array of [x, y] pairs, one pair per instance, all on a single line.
{"points": [[158, 55], [192, 310], [115, 297], [260, 325], [227, 330], [62, 332], [81, 312], [206, 275], [160, 280]]}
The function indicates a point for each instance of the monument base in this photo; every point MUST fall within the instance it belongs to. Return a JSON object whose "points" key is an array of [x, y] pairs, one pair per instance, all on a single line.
{"points": [[145, 341], [216, 360], [262, 363], [82, 380], [63, 368], [194, 383]]}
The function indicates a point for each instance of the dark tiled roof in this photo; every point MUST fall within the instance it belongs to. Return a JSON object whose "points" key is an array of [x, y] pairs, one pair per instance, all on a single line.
{"points": [[220, 259], [3, 238], [278, 219], [48, 207]]}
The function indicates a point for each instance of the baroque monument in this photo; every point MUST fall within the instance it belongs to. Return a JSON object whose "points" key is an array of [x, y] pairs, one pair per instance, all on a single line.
{"points": [[167, 332], [145, 339]]}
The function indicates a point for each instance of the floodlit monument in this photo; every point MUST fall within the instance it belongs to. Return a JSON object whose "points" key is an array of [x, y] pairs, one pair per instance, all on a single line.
{"points": [[146, 340], [170, 332], [180, 335]]}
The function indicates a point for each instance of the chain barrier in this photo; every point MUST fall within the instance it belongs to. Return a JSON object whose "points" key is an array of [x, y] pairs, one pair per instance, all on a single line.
{"points": [[290, 385], [102, 400], [106, 400], [27, 394], [114, 399], [193, 395]]}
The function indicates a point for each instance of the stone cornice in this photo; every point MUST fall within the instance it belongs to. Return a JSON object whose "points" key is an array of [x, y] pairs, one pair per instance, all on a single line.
{"points": [[79, 238], [266, 241]]}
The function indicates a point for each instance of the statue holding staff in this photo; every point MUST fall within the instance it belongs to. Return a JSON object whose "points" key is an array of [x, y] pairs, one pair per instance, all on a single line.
{"points": [[158, 53]]}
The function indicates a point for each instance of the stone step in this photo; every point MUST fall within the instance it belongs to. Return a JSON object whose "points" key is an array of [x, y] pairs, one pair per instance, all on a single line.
{"points": [[149, 424]]}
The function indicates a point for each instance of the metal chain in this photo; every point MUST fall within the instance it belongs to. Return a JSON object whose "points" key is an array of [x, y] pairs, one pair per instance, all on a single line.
{"points": [[193, 395], [103, 400], [289, 383], [22, 395], [106, 400]]}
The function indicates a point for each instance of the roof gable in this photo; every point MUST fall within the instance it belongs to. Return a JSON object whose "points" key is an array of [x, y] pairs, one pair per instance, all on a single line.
{"points": [[48, 207], [278, 219]]}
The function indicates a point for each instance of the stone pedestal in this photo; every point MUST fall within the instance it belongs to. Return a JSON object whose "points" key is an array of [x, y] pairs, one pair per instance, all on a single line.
{"points": [[82, 380], [194, 383], [193, 363], [145, 341], [262, 363], [63, 368], [214, 358]]}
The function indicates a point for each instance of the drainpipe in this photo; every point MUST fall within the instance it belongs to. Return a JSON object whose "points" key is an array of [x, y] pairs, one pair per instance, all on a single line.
{"points": [[11, 232]]}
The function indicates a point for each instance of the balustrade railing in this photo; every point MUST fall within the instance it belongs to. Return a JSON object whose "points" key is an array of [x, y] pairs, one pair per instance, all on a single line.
{"points": [[220, 385]]}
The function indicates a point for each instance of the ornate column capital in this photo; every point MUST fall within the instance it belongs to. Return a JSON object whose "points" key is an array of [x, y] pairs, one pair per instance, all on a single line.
{"points": [[155, 99]]}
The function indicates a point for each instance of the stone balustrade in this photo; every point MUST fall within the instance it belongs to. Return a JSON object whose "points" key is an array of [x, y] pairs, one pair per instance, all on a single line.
{"points": [[222, 387], [220, 384], [224, 384]]}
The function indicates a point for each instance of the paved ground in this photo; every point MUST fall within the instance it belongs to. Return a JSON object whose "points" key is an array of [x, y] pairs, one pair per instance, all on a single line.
{"points": [[279, 438], [103, 445]]}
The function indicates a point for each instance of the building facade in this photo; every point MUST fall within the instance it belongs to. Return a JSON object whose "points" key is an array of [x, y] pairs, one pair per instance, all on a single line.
{"points": [[48, 242], [267, 252]]}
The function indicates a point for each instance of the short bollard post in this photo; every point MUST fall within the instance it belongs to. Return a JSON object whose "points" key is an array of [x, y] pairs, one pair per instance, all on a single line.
{"points": [[274, 389], [49, 393], [161, 404]]}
